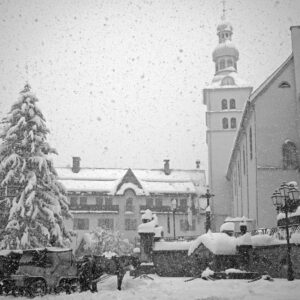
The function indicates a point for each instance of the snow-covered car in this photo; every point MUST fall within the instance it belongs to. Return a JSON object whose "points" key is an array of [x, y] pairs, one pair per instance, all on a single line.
{"points": [[44, 271], [9, 263]]}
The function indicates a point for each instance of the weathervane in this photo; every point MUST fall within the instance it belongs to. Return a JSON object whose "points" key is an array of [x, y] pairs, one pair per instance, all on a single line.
{"points": [[224, 10]]}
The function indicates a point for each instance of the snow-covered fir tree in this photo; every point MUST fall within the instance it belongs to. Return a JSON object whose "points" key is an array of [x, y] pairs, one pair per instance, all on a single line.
{"points": [[40, 204]]}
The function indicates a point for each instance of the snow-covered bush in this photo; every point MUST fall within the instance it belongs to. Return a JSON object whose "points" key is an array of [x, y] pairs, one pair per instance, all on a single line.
{"points": [[37, 210], [101, 241]]}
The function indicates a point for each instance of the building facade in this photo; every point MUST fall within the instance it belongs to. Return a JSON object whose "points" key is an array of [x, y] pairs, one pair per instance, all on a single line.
{"points": [[116, 199], [250, 157], [267, 143], [225, 98]]}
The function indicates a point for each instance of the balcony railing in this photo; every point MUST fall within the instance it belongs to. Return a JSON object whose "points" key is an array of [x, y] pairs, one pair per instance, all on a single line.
{"points": [[94, 207], [167, 208]]}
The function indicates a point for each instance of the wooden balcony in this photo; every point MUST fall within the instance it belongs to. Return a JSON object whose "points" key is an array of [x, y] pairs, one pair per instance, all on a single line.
{"points": [[94, 207]]}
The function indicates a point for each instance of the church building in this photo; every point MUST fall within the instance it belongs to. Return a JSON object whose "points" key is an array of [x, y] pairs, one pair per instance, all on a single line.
{"points": [[253, 138]]}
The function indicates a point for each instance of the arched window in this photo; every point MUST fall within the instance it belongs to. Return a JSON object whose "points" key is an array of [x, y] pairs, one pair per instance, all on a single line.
{"points": [[235, 66], [217, 68], [222, 64], [233, 122], [224, 104], [225, 123], [227, 81], [250, 143], [289, 154], [232, 104], [284, 84], [229, 63], [129, 204]]}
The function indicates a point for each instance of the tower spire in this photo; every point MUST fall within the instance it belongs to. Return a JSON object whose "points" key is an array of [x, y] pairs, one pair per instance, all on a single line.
{"points": [[223, 17]]}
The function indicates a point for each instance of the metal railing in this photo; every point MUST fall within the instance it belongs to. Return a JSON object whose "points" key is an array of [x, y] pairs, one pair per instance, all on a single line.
{"points": [[94, 207]]}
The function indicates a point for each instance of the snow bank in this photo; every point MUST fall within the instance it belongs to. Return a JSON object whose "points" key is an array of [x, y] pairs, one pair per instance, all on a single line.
{"points": [[295, 238], [172, 246], [245, 239], [207, 272], [265, 240], [217, 242], [109, 254], [228, 271]]}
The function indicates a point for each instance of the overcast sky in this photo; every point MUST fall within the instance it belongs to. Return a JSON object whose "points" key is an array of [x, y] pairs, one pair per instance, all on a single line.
{"points": [[120, 81]]}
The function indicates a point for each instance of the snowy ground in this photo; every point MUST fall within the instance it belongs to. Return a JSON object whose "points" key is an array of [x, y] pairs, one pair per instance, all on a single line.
{"points": [[167, 288]]}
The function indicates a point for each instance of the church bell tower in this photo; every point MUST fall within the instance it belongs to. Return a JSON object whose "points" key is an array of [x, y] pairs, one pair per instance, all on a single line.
{"points": [[225, 98]]}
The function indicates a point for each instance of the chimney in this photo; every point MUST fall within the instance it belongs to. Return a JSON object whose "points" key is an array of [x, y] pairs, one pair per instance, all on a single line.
{"points": [[76, 164], [167, 167], [197, 164]]}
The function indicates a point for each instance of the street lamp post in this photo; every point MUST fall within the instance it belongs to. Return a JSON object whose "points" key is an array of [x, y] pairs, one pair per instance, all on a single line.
{"points": [[174, 207], [287, 200], [207, 196]]}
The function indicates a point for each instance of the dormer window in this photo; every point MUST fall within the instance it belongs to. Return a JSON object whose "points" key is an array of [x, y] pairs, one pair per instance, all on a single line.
{"points": [[284, 84]]}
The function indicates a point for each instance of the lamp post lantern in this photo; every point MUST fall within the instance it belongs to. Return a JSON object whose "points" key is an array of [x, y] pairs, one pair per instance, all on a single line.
{"points": [[174, 207], [286, 200], [207, 196]]}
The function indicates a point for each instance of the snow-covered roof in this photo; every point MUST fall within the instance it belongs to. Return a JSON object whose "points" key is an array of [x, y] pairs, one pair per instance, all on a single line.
{"points": [[172, 246], [169, 187], [89, 186], [217, 242], [152, 181], [228, 72]]}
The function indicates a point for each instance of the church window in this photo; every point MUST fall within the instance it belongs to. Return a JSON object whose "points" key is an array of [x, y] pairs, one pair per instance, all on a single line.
{"points": [[225, 123], [244, 161], [239, 173], [227, 81], [229, 63], [222, 64], [250, 143], [284, 84], [289, 153], [233, 122], [224, 104], [232, 104]]}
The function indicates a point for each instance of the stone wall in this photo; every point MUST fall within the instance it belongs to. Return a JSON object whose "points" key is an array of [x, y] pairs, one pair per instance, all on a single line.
{"points": [[273, 260]]}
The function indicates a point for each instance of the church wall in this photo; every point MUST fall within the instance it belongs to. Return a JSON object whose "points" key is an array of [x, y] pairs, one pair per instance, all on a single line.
{"points": [[275, 120]]}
